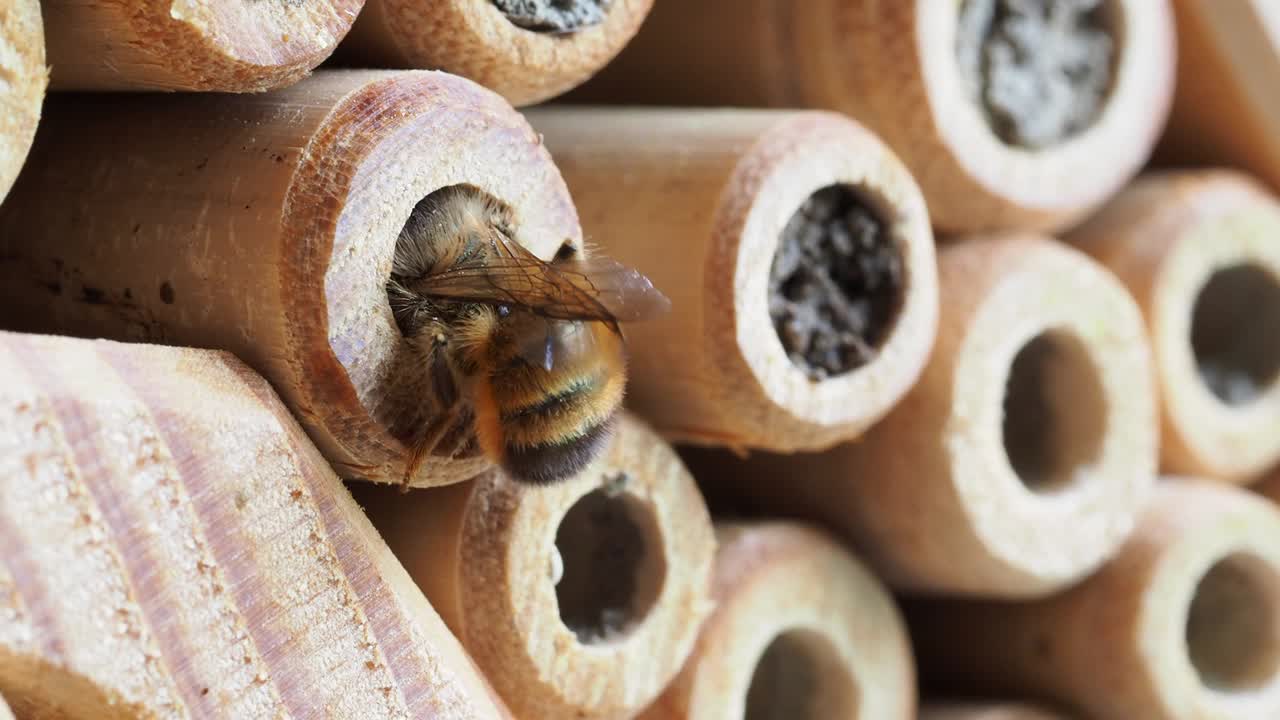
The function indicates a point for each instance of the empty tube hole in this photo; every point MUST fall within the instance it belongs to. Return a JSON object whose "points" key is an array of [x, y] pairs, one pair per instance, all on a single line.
{"points": [[1054, 412], [613, 565], [553, 16], [1233, 637], [1233, 332], [800, 676]]}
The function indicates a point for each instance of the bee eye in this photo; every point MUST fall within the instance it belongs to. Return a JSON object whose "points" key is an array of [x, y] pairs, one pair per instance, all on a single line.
{"points": [[503, 311]]}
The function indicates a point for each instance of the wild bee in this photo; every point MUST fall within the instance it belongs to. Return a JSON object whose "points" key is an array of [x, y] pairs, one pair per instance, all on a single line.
{"points": [[532, 349]]}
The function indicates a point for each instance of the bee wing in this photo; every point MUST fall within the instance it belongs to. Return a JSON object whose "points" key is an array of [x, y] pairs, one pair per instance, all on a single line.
{"points": [[557, 339]]}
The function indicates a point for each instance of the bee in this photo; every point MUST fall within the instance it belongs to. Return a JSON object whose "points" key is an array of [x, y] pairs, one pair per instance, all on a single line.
{"points": [[531, 349]]}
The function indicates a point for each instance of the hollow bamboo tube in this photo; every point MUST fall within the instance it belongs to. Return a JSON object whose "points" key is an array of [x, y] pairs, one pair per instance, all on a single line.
{"points": [[22, 60], [186, 45], [894, 66], [699, 202], [1197, 250], [475, 39], [986, 711], [801, 630], [266, 225], [1018, 462], [1225, 110], [577, 600], [5, 713], [1181, 623], [174, 546]]}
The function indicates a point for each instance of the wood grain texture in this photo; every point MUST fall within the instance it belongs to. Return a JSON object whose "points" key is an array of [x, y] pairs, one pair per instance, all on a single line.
{"points": [[172, 545], [892, 66], [266, 225], [502, 563], [1166, 237], [930, 496], [1179, 624], [697, 200], [26, 78], [472, 38], [190, 45]]}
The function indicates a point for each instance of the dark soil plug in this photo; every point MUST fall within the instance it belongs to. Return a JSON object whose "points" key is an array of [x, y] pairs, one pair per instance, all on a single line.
{"points": [[553, 16], [1040, 69], [836, 284]]}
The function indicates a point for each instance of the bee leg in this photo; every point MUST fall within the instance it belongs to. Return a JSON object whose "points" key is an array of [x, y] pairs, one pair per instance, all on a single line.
{"points": [[446, 388]]}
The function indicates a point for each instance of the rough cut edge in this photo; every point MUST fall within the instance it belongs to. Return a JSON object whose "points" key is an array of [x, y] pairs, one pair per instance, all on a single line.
{"points": [[26, 79]]}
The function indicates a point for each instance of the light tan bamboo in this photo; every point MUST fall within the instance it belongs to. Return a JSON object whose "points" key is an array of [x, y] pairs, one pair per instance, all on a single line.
{"points": [[577, 600], [266, 225], [698, 200], [171, 545], [1198, 250], [26, 77], [987, 711], [801, 630], [1225, 109], [894, 67], [1018, 463], [474, 39], [190, 45], [1180, 624]]}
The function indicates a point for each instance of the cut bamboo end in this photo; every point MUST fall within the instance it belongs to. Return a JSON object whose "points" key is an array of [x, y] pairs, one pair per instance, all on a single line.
{"points": [[801, 630], [26, 78], [577, 600], [775, 220], [911, 72], [1181, 623], [5, 713], [186, 45], [526, 61], [1019, 461], [1225, 110], [987, 711], [161, 515], [267, 225], [1198, 251]]}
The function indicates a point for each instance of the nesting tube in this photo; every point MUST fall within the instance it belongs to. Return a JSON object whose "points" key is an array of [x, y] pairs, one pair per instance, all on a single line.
{"points": [[580, 599], [995, 142], [22, 60], [801, 630], [1019, 461], [974, 710], [266, 226], [181, 45], [1181, 623], [529, 51], [174, 546], [797, 253], [1197, 249]]}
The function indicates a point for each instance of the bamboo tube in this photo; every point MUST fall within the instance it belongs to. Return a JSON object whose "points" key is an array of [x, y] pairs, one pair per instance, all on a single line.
{"points": [[1181, 623], [801, 630], [1019, 461], [718, 208], [26, 77], [173, 546], [5, 713], [266, 225], [577, 600], [1017, 150], [1198, 251], [186, 45], [1225, 110], [986, 711], [527, 51]]}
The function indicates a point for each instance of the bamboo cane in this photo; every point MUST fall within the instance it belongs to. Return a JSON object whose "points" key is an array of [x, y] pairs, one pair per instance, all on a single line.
{"points": [[22, 60], [986, 711]]}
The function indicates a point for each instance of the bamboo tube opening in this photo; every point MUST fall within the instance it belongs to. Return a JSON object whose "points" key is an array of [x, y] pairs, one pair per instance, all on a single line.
{"points": [[553, 16], [801, 676], [1055, 412], [1233, 625], [613, 568], [1237, 355]]}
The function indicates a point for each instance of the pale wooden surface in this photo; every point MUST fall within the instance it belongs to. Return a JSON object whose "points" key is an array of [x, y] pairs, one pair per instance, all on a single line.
{"points": [[987, 711], [486, 554], [173, 546], [696, 200], [892, 66], [26, 77], [1164, 237], [266, 225], [472, 38], [191, 45], [1115, 646], [773, 578], [928, 496]]}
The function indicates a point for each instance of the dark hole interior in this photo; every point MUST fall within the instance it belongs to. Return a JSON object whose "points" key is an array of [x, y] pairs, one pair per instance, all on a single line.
{"points": [[1232, 632], [1235, 333], [553, 16], [800, 677]]}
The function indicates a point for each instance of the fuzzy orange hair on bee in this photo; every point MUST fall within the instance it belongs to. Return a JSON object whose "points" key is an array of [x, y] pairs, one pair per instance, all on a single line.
{"points": [[532, 348]]}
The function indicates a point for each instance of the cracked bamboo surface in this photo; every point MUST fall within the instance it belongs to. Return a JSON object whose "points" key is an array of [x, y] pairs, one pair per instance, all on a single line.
{"points": [[26, 78]]}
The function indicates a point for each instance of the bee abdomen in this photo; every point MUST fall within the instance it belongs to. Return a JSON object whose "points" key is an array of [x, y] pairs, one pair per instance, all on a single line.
{"points": [[554, 461]]}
